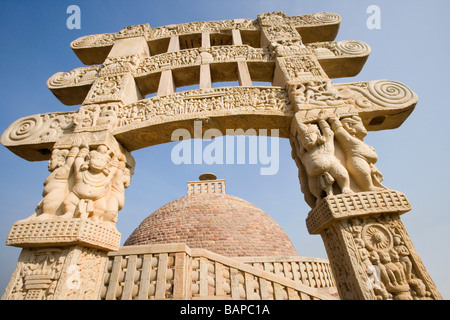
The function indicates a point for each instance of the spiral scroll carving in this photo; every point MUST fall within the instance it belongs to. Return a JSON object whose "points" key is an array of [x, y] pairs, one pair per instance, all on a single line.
{"points": [[353, 47], [85, 41], [25, 128], [327, 17], [390, 92], [62, 79]]}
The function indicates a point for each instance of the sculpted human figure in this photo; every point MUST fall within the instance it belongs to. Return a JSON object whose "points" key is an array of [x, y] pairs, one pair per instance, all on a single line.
{"points": [[56, 186], [393, 275], [360, 158], [319, 160], [403, 254], [378, 287], [93, 172], [116, 196]]}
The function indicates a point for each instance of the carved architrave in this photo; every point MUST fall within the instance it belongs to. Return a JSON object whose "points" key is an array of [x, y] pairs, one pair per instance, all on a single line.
{"points": [[321, 18], [119, 65], [61, 83], [330, 49], [39, 128], [107, 39], [197, 56], [203, 101], [97, 117]]}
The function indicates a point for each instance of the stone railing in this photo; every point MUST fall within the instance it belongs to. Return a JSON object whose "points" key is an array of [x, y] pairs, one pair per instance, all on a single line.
{"points": [[313, 272], [210, 186], [174, 271]]}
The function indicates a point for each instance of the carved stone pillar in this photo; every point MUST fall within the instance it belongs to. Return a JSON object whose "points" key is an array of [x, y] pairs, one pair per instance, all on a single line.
{"points": [[370, 252], [57, 273], [66, 240]]}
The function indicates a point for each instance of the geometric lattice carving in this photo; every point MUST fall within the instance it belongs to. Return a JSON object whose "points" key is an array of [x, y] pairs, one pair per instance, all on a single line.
{"points": [[343, 206], [208, 186], [63, 232]]}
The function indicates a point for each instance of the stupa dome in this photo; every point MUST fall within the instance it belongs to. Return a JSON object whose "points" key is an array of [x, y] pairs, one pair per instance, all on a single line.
{"points": [[210, 219]]}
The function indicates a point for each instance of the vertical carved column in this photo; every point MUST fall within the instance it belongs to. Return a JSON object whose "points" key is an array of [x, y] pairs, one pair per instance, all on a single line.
{"points": [[370, 252], [57, 273], [166, 83], [66, 240], [205, 69], [243, 72]]}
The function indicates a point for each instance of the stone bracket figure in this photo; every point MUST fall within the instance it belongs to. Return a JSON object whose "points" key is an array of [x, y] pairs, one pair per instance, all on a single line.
{"points": [[57, 185], [360, 158], [87, 180], [93, 172], [317, 154]]}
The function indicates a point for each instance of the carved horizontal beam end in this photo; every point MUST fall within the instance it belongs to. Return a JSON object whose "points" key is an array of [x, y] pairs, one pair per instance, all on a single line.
{"points": [[93, 49], [33, 137], [381, 104]]}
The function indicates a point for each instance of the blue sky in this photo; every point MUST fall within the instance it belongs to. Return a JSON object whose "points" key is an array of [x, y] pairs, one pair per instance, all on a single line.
{"points": [[411, 47]]}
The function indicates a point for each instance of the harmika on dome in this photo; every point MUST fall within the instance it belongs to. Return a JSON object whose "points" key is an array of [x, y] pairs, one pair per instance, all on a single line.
{"points": [[210, 219]]}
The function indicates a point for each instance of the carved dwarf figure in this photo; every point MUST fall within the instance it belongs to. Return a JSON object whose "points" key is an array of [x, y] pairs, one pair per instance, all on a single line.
{"points": [[93, 172], [116, 195], [319, 160], [56, 186], [360, 158]]}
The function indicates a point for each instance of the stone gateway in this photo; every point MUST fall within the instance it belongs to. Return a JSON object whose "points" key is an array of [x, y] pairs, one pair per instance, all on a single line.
{"points": [[188, 249]]}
